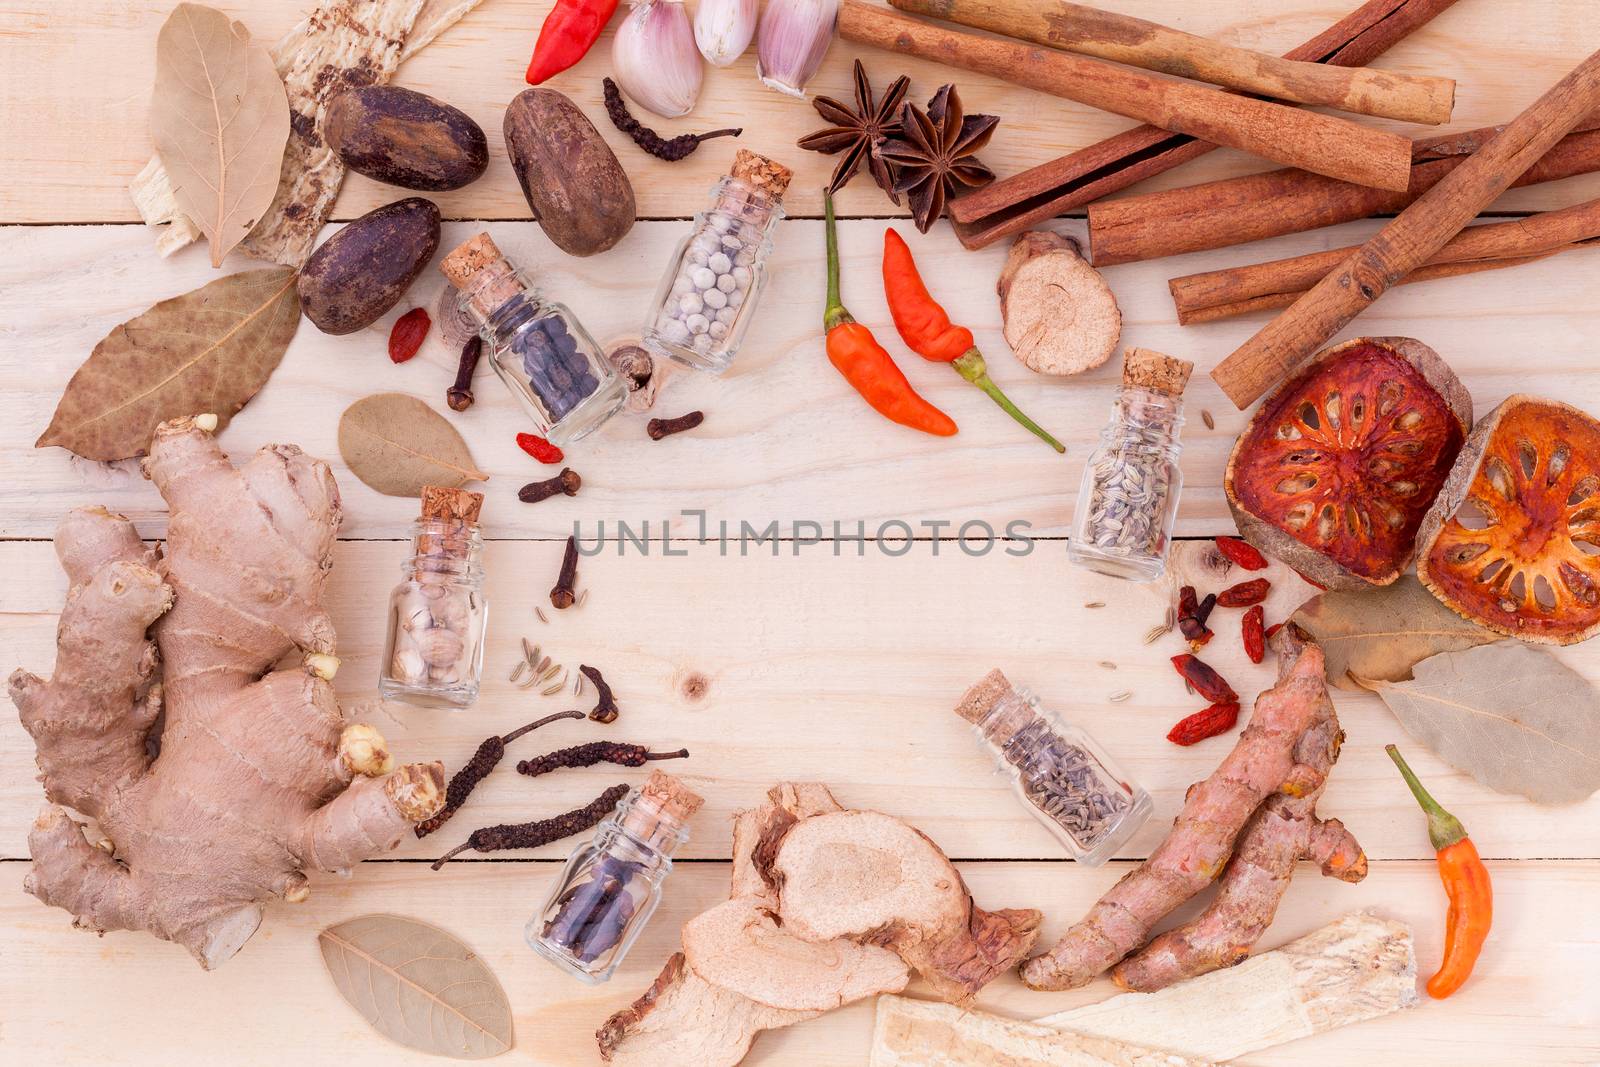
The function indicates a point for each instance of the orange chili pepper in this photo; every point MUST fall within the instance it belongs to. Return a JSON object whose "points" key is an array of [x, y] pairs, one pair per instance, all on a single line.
{"points": [[1466, 883], [927, 330], [865, 363]]}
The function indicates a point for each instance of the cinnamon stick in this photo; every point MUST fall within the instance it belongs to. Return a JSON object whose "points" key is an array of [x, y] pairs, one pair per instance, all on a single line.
{"points": [[1304, 139], [1022, 201], [1125, 39], [1220, 294], [1410, 240], [1256, 206]]}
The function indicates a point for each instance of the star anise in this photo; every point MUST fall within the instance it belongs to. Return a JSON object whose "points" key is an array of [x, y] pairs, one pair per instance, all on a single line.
{"points": [[935, 154], [857, 132]]}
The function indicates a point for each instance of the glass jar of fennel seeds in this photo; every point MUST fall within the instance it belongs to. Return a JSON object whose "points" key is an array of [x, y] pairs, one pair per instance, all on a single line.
{"points": [[612, 884], [707, 297], [1128, 498], [1064, 778], [537, 347], [433, 651]]}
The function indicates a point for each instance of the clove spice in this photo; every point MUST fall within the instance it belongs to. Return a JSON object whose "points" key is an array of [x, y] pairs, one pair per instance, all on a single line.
{"points": [[459, 395], [587, 755], [670, 149], [605, 708], [488, 756], [562, 593], [539, 832], [566, 482], [659, 428]]}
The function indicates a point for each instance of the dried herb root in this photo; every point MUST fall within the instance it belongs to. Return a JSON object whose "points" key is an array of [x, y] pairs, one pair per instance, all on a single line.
{"points": [[488, 756], [670, 149], [540, 832], [587, 755]]}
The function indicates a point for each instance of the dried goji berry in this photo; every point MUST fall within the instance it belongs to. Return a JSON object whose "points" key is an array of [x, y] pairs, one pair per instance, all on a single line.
{"points": [[1312, 582], [1244, 594], [1217, 719], [1273, 629], [1255, 638], [1206, 681], [408, 334], [1242, 552], [539, 448]]}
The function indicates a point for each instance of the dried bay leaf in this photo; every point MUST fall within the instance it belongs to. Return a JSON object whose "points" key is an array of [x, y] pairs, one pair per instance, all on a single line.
{"points": [[1379, 634], [419, 986], [397, 444], [207, 351], [1511, 715], [220, 121]]}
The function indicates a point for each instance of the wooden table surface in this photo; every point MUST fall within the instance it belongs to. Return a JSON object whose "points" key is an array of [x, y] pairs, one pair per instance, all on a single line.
{"points": [[838, 661]]}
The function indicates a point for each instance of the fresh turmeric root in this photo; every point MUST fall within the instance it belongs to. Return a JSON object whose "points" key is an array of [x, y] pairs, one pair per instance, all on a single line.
{"points": [[1283, 831], [259, 778], [1201, 840]]}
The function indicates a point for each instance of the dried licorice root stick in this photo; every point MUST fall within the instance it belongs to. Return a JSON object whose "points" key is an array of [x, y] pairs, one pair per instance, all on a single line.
{"points": [[488, 756], [587, 755], [669, 149], [540, 832], [1410, 240]]}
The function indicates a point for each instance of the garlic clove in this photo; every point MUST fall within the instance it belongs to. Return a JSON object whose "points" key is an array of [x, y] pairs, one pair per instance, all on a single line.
{"points": [[793, 37], [723, 29], [655, 58]]}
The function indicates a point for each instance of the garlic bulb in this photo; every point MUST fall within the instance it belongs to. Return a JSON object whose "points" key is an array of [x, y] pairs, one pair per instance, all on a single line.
{"points": [[723, 28], [655, 58], [794, 37]]}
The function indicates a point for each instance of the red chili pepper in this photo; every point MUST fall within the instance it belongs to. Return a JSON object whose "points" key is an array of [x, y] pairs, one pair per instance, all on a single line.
{"points": [[539, 448], [1244, 594], [1466, 883], [1242, 552], [569, 31], [1253, 629], [1217, 719], [408, 333], [926, 330], [865, 364], [1206, 681]]}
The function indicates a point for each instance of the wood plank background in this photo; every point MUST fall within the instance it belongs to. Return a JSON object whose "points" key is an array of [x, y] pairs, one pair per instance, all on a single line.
{"points": [[839, 661]]}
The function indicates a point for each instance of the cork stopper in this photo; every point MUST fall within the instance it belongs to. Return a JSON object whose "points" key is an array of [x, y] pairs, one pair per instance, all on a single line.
{"points": [[442, 502], [1143, 368], [769, 177], [480, 271], [461, 265], [995, 692], [983, 696]]}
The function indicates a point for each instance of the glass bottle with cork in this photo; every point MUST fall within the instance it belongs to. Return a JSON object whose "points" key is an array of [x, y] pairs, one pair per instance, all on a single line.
{"points": [[611, 885], [708, 295], [1129, 495], [536, 346], [433, 654], [1067, 781]]}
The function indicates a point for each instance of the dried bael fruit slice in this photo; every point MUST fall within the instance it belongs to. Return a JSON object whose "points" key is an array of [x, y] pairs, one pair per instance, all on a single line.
{"points": [[1338, 467], [1512, 541]]}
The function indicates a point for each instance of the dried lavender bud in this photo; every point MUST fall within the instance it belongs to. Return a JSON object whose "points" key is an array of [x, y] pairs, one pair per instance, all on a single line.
{"points": [[662, 148], [542, 832], [605, 708], [488, 756], [587, 755]]}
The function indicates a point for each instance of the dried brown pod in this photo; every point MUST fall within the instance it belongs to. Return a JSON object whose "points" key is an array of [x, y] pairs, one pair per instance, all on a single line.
{"points": [[856, 132], [935, 154]]}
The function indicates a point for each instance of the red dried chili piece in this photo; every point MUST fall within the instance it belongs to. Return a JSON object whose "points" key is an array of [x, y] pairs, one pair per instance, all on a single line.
{"points": [[1206, 681], [1219, 718], [409, 331], [1242, 552], [1253, 627], [1273, 629], [539, 448], [1244, 594]]}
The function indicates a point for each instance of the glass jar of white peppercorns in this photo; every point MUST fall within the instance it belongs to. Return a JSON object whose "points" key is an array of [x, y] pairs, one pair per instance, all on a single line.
{"points": [[707, 297]]}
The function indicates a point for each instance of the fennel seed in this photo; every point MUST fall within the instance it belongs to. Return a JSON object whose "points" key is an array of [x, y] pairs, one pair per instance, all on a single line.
{"points": [[1119, 696], [517, 671]]}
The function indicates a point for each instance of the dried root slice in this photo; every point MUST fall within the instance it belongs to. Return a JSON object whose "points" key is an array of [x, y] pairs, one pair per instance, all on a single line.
{"points": [[758, 831], [1512, 540], [1060, 316], [1338, 466], [865, 875]]}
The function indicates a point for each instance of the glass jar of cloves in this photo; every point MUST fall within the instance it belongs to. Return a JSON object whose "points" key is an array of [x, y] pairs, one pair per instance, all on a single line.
{"points": [[708, 295], [1066, 780], [611, 885], [537, 347], [1129, 495], [433, 654]]}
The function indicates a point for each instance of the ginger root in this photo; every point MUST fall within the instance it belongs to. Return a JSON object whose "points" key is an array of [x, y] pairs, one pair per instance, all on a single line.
{"points": [[258, 777]]}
